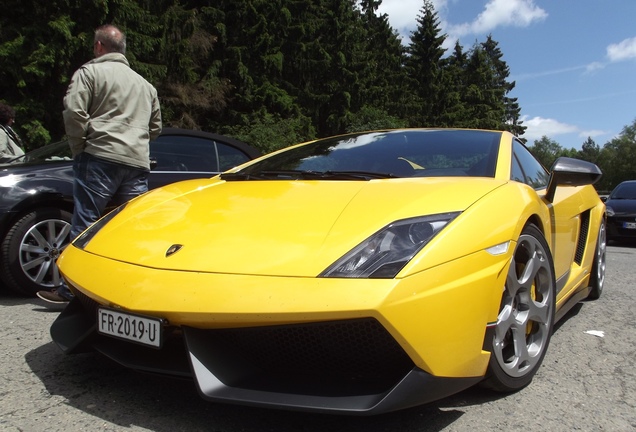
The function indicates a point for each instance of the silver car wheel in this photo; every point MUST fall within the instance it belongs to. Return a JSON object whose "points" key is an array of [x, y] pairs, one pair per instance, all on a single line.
{"points": [[39, 249], [597, 278], [524, 324]]}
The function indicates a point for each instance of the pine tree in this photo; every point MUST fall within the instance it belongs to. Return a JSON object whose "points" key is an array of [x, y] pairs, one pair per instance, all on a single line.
{"points": [[483, 95], [424, 69], [590, 151], [511, 118], [191, 90], [383, 77], [452, 110]]}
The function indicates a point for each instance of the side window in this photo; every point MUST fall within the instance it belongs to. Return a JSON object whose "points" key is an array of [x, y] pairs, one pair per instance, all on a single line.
{"points": [[517, 173], [229, 156], [184, 153], [528, 170]]}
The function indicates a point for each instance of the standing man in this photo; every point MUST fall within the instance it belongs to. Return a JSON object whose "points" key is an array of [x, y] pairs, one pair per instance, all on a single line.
{"points": [[111, 113]]}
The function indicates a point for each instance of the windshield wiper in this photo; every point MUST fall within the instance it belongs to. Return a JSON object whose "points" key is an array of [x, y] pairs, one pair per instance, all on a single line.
{"points": [[234, 176], [263, 175], [355, 175], [306, 175]]}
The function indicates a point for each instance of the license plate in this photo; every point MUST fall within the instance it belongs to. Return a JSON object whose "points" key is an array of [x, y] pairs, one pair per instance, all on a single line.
{"points": [[134, 328], [629, 225]]}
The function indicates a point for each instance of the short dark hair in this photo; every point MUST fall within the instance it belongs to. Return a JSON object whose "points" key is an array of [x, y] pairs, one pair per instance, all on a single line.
{"points": [[6, 113], [112, 38]]}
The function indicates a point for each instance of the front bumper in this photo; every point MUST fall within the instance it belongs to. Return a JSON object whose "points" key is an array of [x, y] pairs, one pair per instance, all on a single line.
{"points": [[361, 346], [616, 227], [349, 366]]}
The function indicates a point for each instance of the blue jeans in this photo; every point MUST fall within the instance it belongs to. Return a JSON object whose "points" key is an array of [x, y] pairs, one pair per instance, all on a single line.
{"points": [[98, 183]]}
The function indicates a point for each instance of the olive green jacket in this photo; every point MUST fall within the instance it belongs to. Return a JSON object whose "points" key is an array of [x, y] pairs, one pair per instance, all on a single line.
{"points": [[112, 112]]}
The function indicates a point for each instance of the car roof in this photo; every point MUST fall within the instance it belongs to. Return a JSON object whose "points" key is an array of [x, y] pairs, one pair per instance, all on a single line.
{"points": [[246, 148]]}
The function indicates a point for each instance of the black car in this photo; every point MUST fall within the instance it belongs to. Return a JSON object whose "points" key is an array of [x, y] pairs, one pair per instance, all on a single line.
{"points": [[621, 211], [36, 198]]}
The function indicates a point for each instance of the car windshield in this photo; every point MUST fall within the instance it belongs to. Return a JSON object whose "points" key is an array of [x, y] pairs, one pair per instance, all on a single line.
{"points": [[59, 151], [624, 191], [383, 154]]}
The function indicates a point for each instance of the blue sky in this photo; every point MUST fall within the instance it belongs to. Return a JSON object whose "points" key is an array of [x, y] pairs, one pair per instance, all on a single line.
{"points": [[573, 61]]}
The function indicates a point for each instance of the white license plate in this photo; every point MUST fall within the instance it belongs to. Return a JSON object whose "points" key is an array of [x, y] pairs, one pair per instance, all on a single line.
{"points": [[629, 225], [135, 328]]}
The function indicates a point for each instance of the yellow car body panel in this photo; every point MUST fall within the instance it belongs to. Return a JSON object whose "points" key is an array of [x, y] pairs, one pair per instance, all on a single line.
{"points": [[310, 225]]}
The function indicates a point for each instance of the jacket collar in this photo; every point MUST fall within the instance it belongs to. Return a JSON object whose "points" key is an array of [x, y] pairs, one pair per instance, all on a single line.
{"points": [[110, 57]]}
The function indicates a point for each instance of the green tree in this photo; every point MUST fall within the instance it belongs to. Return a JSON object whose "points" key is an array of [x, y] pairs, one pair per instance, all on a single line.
{"points": [[483, 98], [617, 157], [381, 99], [546, 151], [190, 92], [453, 110], [590, 151], [510, 120], [41, 43], [424, 69]]}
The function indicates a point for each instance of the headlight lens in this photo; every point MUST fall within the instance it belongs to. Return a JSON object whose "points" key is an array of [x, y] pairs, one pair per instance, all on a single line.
{"points": [[84, 238], [609, 211], [386, 252]]}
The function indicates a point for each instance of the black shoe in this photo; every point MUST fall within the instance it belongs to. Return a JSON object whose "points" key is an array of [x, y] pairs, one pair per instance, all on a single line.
{"points": [[52, 297]]}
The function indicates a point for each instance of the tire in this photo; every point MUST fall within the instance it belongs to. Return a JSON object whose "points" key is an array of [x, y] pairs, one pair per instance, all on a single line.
{"points": [[597, 278], [526, 315], [30, 249]]}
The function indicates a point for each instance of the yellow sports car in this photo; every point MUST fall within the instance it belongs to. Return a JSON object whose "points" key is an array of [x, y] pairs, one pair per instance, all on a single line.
{"points": [[358, 274]]}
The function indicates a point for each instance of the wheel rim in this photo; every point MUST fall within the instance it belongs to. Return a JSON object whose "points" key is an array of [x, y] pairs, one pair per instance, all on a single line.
{"points": [[525, 318], [600, 257], [39, 249]]}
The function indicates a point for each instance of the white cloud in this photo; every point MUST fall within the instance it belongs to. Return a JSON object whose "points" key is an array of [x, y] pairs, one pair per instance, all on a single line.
{"points": [[537, 127], [594, 66], [497, 13], [592, 133], [623, 50], [542, 74], [500, 13], [402, 13]]}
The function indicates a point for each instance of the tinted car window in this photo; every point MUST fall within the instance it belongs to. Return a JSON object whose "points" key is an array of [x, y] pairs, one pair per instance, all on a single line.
{"points": [[417, 153], [527, 169], [624, 191], [59, 151], [171, 152], [229, 156], [517, 172], [180, 153], [187, 153]]}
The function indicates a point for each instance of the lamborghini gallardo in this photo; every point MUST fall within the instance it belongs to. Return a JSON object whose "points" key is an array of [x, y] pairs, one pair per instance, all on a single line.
{"points": [[357, 274]]}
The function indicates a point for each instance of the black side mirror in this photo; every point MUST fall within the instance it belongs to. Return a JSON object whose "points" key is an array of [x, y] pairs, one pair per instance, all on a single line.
{"points": [[571, 172]]}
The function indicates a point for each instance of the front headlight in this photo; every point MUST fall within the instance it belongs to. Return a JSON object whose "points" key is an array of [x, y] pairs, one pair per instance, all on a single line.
{"points": [[609, 211], [84, 238], [387, 251]]}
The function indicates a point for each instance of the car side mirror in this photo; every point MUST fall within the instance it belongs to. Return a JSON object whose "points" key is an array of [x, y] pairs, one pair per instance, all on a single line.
{"points": [[571, 172]]}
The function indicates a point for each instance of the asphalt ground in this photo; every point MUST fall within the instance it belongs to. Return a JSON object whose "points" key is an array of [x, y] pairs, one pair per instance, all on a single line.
{"points": [[586, 383]]}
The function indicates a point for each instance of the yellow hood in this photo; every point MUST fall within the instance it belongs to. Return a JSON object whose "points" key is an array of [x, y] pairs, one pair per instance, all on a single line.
{"points": [[291, 228]]}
